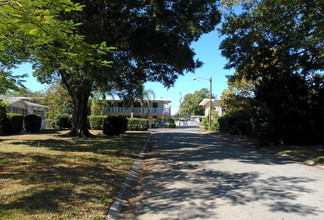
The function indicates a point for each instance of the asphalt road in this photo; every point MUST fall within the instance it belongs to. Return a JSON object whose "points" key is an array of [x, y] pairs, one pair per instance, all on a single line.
{"points": [[197, 176]]}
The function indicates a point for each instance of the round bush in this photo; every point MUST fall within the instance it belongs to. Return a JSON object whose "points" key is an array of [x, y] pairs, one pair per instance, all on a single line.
{"points": [[33, 123], [13, 123], [114, 125], [64, 121]]}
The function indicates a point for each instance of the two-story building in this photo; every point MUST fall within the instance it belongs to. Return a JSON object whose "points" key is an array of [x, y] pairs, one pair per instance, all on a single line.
{"points": [[219, 109], [149, 109]]}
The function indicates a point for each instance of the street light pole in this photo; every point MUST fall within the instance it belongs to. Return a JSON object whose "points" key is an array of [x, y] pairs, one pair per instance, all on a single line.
{"points": [[210, 97]]}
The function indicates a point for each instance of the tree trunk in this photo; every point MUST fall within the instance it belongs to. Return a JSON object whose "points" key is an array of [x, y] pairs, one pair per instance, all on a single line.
{"points": [[80, 111], [80, 117]]}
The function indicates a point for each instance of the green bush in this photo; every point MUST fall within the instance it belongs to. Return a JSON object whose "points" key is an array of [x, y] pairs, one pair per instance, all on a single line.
{"points": [[96, 121], [114, 125], [13, 123], [2, 118], [214, 123], [33, 123], [233, 124], [64, 121], [227, 123], [243, 127], [137, 124]]}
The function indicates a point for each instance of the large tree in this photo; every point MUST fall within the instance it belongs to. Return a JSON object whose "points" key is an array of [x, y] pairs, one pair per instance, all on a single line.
{"points": [[279, 44], [237, 98], [190, 104], [153, 40]]}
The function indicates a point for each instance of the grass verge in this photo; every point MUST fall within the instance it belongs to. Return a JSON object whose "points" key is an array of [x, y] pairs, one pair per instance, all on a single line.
{"points": [[309, 152], [46, 176]]}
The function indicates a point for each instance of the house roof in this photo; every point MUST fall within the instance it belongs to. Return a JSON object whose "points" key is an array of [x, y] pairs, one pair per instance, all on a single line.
{"points": [[206, 101], [12, 100]]}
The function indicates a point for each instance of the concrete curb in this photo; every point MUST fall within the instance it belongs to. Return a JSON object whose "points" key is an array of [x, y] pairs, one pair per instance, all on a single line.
{"points": [[298, 159], [118, 205]]}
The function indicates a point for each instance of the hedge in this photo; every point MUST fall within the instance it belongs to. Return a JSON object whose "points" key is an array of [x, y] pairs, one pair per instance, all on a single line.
{"points": [[96, 121], [33, 123], [233, 124], [13, 123], [114, 125], [137, 124]]}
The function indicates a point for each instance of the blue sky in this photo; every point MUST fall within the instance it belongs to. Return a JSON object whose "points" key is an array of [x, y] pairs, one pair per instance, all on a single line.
{"points": [[206, 49]]}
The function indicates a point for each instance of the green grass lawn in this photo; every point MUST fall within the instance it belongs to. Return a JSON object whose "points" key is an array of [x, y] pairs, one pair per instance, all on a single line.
{"points": [[46, 176]]}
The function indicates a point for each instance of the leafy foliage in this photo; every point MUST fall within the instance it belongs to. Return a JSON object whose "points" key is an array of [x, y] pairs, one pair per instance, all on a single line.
{"points": [[96, 121], [63, 120], [33, 123], [68, 40], [57, 98], [190, 104], [237, 99], [280, 48], [13, 123], [137, 124], [114, 125]]}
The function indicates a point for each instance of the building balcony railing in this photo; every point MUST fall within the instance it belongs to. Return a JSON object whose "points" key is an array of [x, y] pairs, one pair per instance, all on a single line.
{"points": [[136, 111]]}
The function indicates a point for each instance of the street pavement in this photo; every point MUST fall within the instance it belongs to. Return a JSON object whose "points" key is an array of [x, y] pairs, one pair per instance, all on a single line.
{"points": [[198, 176]]}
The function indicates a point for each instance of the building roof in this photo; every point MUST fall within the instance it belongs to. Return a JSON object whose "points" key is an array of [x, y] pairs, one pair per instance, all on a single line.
{"points": [[206, 101], [151, 100], [12, 100]]}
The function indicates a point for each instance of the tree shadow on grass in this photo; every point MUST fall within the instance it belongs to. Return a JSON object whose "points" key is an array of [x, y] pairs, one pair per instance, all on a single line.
{"points": [[119, 147], [53, 183]]}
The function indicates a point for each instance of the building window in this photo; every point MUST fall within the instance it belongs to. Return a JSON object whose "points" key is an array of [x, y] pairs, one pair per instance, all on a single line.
{"points": [[155, 104], [155, 116]]}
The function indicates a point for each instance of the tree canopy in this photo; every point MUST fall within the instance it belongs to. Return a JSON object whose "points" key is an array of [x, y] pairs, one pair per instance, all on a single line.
{"points": [[73, 41], [279, 46], [272, 35]]}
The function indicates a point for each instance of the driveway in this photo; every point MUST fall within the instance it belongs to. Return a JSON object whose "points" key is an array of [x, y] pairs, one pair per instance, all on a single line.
{"points": [[197, 176]]}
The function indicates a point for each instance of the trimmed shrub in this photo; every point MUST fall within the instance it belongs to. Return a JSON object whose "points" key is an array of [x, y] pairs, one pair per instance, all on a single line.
{"points": [[114, 125], [2, 118], [33, 123], [13, 123], [96, 121], [227, 123], [64, 121], [137, 124]]}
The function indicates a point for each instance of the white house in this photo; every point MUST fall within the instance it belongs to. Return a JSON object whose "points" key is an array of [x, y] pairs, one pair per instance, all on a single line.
{"points": [[20, 105], [219, 109]]}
